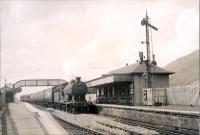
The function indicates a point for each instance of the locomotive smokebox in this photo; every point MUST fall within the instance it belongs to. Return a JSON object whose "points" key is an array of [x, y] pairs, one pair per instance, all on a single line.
{"points": [[76, 88], [78, 79]]}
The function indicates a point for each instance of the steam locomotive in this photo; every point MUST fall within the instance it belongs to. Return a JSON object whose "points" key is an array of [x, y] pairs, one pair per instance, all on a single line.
{"points": [[69, 97]]}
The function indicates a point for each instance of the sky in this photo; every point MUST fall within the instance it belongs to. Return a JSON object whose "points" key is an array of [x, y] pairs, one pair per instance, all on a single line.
{"points": [[64, 39]]}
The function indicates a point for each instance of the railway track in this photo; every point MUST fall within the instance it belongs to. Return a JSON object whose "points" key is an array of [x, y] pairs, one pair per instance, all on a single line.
{"points": [[40, 107], [117, 127], [145, 125], [71, 127], [76, 129]]}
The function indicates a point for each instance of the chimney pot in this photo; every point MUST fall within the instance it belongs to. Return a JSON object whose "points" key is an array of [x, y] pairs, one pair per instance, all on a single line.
{"points": [[78, 79]]}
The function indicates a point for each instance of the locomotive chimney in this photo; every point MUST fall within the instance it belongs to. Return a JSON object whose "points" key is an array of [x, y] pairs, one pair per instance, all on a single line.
{"points": [[78, 79]]}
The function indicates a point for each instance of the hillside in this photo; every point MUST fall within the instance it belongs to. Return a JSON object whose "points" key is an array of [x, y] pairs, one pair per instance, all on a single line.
{"points": [[186, 70]]}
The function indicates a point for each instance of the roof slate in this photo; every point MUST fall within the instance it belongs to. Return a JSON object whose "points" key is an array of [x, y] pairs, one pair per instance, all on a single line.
{"points": [[138, 68]]}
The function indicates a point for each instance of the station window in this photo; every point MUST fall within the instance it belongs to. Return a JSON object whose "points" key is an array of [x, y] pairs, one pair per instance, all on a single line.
{"points": [[102, 91], [113, 91], [128, 91], [105, 91], [125, 91], [97, 92], [108, 91], [131, 89]]}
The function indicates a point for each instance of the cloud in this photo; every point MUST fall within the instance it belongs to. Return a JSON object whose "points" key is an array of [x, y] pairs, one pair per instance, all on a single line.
{"points": [[186, 39]]}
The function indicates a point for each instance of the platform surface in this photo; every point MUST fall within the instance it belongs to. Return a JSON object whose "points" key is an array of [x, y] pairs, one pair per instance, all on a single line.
{"points": [[48, 122], [193, 110], [20, 121]]}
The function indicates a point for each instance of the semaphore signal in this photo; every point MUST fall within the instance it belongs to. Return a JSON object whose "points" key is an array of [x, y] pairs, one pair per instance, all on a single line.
{"points": [[145, 21]]}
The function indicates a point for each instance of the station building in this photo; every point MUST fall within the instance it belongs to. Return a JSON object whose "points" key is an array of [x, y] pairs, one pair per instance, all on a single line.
{"points": [[125, 85]]}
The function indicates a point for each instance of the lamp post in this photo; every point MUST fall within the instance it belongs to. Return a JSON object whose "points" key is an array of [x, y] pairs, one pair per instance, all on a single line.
{"points": [[4, 94], [13, 93]]}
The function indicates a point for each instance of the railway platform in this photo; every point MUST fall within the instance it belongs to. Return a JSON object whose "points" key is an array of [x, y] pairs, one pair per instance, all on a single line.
{"points": [[180, 119], [20, 121], [190, 110]]}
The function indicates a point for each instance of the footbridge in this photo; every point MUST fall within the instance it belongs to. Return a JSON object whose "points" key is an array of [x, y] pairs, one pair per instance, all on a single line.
{"points": [[37, 82]]}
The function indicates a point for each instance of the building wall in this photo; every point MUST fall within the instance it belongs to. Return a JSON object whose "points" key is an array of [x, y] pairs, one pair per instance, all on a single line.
{"points": [[139, 84], [159, 81]]}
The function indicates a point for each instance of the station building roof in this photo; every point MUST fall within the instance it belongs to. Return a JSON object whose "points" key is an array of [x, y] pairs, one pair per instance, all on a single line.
{"points": [[123, 74], [138, 68]]}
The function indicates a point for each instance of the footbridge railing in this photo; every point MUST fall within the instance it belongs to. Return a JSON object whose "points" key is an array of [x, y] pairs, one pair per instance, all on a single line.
{"points": [[38, 82]]}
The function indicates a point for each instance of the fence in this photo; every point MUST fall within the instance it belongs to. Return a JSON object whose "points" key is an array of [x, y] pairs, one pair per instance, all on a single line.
{"points": [[184, 95], [159, 96]]}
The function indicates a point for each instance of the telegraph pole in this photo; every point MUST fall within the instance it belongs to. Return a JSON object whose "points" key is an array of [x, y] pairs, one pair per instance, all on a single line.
{"points": [[145, 21]]}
